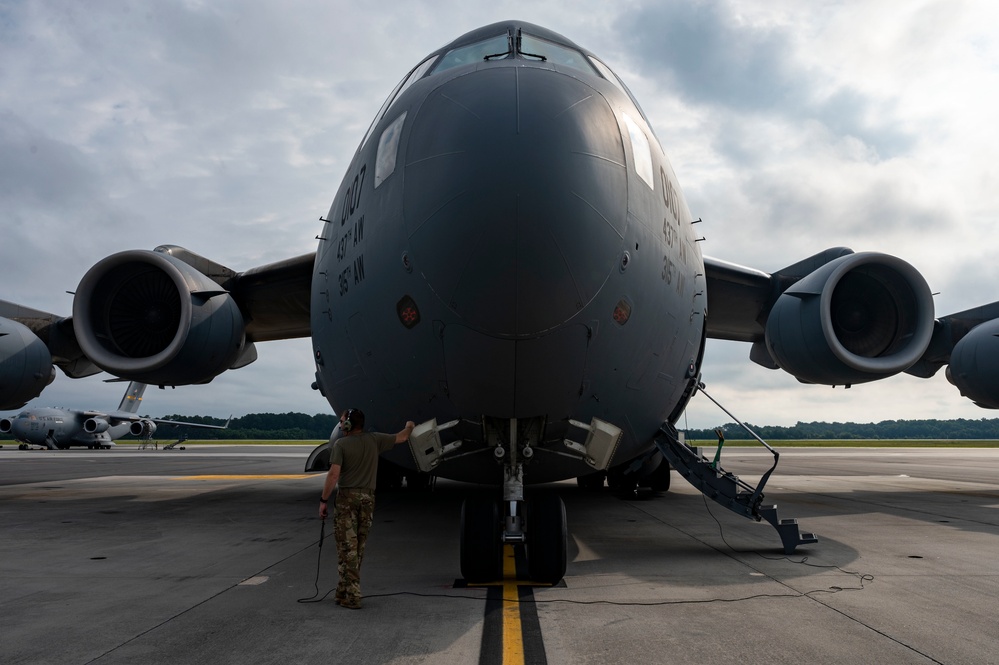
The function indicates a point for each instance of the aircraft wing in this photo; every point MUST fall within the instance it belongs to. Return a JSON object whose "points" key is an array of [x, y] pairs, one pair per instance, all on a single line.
{"points": [[740, 298], [274, 298], [119, 417], [174, 423], [840, 317], [161, 317]]}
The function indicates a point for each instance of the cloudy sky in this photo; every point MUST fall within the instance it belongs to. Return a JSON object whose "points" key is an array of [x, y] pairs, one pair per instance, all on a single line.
{"points": [[225, 127]]}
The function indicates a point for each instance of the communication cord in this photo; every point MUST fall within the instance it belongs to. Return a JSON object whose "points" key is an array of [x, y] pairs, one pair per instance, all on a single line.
{"points": [[319, 558]]}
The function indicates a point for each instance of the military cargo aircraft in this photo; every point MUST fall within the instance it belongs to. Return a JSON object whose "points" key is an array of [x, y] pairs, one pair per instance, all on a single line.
{"points": [[510, 262], [56, 428]]}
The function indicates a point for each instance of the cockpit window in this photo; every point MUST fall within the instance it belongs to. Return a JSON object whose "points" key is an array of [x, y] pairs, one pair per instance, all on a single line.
{"points": [[415, 76], [494, 48], [410, 79], [608, 74], [535, 48], [528, 47]]}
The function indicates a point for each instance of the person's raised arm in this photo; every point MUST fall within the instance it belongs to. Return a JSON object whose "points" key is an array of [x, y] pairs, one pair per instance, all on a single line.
{"points": [[402, 436]]}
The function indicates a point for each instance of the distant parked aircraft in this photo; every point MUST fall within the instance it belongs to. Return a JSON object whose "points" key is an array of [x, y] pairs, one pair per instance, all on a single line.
{"points": [[58, 428]]}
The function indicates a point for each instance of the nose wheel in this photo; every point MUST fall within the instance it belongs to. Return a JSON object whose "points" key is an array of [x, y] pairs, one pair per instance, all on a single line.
{"points": [[546, 539], [482, 539], [481, 542]]}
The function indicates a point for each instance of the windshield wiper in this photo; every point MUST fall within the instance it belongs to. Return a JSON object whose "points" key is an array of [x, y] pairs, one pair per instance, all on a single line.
{"points": [[528, 55]]}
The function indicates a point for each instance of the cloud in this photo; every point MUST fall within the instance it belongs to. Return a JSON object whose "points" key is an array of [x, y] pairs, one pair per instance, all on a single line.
{"points": [[47, 186], [709, 55], [39, 172]]}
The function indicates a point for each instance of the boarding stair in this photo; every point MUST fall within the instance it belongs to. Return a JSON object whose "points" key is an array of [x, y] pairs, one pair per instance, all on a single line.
{"points": [[171, 446], [726, 488]]}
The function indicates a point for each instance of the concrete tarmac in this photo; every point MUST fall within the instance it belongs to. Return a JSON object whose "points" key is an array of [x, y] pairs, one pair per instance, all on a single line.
{"points": [[202, 556]]}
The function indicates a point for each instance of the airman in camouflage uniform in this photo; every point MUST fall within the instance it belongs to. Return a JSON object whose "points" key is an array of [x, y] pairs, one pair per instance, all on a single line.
{"points": [[353, 470]]}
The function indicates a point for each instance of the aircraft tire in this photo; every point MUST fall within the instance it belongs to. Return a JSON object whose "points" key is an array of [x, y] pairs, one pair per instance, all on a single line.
{"points": [[481, 547], [389, 476], [621, 483], [591, 482], [546, 538], [660, 478], [417, 481]]}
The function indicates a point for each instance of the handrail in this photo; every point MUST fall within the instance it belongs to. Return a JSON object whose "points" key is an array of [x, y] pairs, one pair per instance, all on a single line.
{"points": [[758, 492]]}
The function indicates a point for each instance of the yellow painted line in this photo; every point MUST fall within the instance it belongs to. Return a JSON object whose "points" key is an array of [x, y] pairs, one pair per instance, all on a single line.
{"points": [[511, 630], [513, 635], [275, 476]]}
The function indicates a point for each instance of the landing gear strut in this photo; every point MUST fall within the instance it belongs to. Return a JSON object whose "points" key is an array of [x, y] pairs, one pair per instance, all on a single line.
{"points": [[487, 525]]}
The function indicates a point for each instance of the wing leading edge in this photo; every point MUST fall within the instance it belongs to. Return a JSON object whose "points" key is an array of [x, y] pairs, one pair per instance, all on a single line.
{"points": [[207, 318], [840, 317]]}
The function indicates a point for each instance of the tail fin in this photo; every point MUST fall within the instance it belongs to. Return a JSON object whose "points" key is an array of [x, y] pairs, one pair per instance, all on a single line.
{"points": [[133, 397]]}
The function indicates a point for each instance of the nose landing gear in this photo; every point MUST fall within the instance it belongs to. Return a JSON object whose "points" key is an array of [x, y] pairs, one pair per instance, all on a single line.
{"points": [[487, 523]]}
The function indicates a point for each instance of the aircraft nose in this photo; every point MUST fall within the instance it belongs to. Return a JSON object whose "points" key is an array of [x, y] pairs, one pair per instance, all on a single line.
{"points": [[515, 197]]}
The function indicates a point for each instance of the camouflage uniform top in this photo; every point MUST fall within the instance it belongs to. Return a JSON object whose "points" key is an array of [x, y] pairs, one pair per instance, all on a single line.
{"points": [[357, 456]]}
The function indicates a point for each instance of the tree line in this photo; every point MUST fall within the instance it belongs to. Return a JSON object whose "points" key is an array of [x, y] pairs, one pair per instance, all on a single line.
{"points": [[300, 426], [293, 426], [254, 426], [961, 428]]}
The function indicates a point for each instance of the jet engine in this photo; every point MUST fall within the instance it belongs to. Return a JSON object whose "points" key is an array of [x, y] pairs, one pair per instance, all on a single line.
{"points": [[25, 365], [142, 428], [974, 365], [148, 316], [6, 425], [858, 318], [95, 425]]}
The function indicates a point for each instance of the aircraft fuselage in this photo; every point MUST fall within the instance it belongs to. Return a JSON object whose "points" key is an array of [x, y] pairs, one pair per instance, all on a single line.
{"points": [[510, 242]]}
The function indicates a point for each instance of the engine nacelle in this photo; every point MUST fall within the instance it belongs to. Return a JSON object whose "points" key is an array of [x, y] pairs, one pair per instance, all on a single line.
{"points": [[25, 365], [858, 318], [143, 428], [974, 365], [147, 316], [6, 425], [95, 425]]}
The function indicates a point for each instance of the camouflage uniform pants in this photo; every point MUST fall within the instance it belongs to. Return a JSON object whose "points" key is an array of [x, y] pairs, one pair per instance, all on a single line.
{"points": [[352, 518]]}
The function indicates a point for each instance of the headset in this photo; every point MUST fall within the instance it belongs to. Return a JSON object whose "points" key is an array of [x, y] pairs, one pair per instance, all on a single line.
{"points": [[351, 419]]}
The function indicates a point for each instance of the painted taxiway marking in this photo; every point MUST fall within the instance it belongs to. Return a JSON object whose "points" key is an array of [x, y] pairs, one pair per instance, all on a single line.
{"points": [[513, 640], [271, 476], [510, 604], [256, 580]]}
